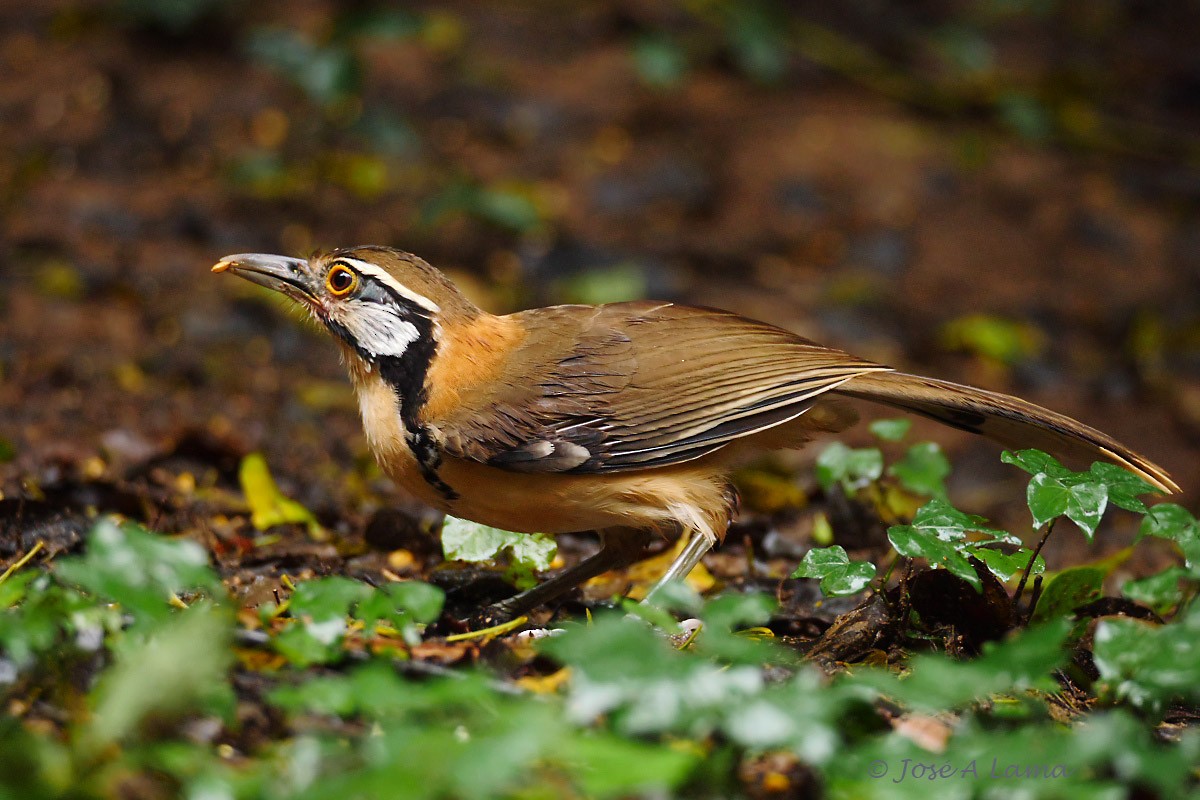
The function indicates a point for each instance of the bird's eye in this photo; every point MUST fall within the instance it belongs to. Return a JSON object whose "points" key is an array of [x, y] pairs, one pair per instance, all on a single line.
{"points": [[340, 281]]}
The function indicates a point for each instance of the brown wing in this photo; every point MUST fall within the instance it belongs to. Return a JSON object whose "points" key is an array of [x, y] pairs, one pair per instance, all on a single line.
{"points": [[639, 385]]}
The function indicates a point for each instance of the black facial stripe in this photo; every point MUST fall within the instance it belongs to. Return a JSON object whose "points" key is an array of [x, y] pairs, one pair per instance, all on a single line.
{"points": [[406, 375]]}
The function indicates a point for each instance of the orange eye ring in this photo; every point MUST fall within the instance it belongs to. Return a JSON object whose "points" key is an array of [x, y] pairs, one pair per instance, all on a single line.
{"points": [[340, 280]]}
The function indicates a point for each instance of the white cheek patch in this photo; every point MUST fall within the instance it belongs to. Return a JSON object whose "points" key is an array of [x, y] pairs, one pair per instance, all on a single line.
{"points": [[377, 329]]}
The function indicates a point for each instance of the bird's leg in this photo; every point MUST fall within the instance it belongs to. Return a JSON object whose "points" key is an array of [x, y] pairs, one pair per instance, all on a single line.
{"points": [[619, 547], [681, 567]]}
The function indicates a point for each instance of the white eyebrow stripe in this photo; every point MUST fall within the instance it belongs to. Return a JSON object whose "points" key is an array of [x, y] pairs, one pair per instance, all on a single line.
{"points": [[383, 277]]}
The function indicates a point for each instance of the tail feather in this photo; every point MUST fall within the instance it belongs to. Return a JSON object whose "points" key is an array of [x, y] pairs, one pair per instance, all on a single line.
{"points": [[1008, 420]]}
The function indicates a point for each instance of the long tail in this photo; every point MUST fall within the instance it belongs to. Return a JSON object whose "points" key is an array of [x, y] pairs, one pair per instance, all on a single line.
{"points": [[1009, 420]]}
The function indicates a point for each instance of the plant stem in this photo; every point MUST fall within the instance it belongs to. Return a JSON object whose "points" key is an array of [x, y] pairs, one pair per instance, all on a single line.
{"points": [[1029, 567]]}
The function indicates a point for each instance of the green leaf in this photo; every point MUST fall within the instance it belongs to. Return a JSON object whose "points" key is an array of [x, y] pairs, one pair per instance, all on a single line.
{"points": [[1160, 592], [8, 451], [1035, 462], [1047, 498], [923, 470], [1082, 503], [126, 564], [327, 598], [404, 605], [839, 575], [1085, 506], [268, 505], [1067, 591], [852, 468], [1007, 566], [758, 41], [947, 522], [1120, 486], [1124, 488], [1149, 666], [320, 608], [1025, 661], [913, 542], [534, 550], [327, 74], [891, 430], [463, 540], [607, 766], [1171, 521], [180, 666]]}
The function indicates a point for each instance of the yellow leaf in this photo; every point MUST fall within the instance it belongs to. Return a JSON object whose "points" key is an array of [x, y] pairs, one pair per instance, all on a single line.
{"points": [[645, 574], [268, 505], [545, 684]]}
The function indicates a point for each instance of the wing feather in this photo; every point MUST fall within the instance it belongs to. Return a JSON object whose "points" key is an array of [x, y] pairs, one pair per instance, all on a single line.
{"points": [[687, 382]]}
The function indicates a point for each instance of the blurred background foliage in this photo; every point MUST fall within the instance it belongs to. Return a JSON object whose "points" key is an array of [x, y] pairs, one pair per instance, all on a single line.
{"points": [[999, 191]]}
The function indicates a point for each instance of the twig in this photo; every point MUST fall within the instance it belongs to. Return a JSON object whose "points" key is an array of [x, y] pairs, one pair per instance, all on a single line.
{"points": [[1029, 567], [23, 560], [1034, 596]]}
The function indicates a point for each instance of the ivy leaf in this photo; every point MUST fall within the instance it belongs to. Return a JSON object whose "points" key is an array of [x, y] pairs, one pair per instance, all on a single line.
{"points": [[1171, 521], [947, 522], [1123, 486], [140, 570], [1160, 592], [320, 608], [937, 682], [923, 470], [1082, 503], [404, 605], [913, 542], [1035, 462], [1067, 591], [1085, 506], [891, 430], [1047, 498], [839, 575], [463, 540], [1007, 566], [1149, 666]]}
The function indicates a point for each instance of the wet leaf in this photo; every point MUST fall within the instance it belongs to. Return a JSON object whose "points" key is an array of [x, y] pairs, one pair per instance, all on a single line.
{"points": [[1160, 591], [1149, 665], [913, 542], [405, 606], [1171, 521], [839, 575], [1082, 503], [1007, 566]]}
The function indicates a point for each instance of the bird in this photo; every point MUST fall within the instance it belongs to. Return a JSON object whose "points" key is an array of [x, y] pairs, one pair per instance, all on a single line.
{"points": [[625, 418]]}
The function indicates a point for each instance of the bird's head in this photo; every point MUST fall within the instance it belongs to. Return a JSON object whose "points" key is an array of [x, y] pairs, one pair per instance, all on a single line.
{"points": [[385, 306]]}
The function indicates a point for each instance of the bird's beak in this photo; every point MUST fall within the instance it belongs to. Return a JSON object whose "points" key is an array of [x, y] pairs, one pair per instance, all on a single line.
{"points": [[281, 273]]}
